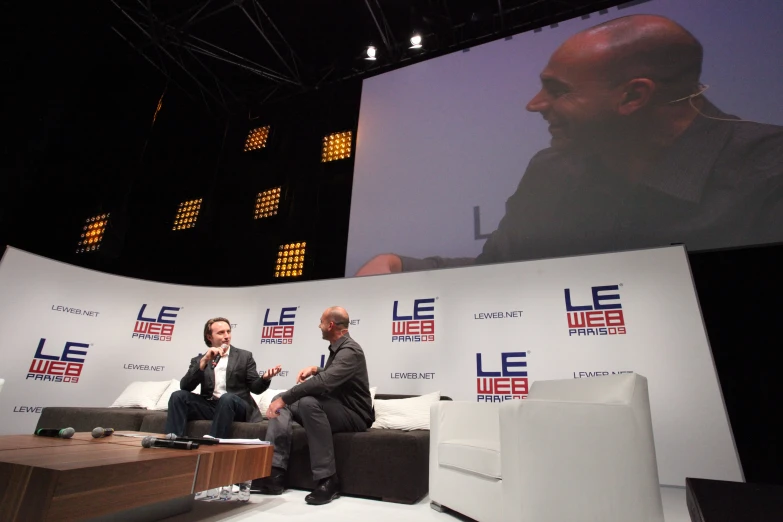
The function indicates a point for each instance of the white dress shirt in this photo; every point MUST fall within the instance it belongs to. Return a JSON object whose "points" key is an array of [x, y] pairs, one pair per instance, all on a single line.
{"points": [[220, 375]]}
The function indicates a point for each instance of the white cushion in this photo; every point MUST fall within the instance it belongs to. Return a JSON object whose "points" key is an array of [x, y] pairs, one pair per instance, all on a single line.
{"points": [[163, 402], [265, 399], [405, 414], [372, 394], [141, 394], [477, 456]]}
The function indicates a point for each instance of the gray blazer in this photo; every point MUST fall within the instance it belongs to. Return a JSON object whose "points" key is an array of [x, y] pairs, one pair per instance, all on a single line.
{"points": [[241, 379]]}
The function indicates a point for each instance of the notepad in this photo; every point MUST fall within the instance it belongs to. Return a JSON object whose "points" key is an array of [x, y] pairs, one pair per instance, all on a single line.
{"points": [[239, 441]]}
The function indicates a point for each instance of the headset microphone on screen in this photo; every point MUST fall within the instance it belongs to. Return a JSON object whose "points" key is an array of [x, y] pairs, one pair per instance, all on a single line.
{"points": [[702, 88]]}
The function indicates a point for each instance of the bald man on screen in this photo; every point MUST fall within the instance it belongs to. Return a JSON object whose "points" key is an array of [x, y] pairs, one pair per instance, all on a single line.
{"points": [[638, 158]]}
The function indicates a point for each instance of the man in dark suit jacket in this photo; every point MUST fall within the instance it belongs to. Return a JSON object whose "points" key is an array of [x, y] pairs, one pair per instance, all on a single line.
{"points": [[227, 375]]}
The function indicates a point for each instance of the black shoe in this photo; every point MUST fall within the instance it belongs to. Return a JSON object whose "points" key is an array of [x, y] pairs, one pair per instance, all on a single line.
{"points": [[328, 489], [274, 484]]}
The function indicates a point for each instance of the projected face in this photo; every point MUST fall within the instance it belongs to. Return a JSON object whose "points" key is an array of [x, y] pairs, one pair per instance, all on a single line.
{"points": [[576, 98], [221, 334]]}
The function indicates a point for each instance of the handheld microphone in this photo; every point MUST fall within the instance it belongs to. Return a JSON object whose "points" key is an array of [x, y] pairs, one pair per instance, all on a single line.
{"points": [[151, 442], [97, 433], [173, 436], [216, 360], [65, 433]]}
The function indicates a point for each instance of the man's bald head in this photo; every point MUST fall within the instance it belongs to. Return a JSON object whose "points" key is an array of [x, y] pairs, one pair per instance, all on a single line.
{"points": [[338, 315], [644, 46], [610, 86], [334, 323]]}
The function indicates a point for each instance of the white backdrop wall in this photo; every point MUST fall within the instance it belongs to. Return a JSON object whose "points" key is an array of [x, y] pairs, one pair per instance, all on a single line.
{"points": [[497, 327]]}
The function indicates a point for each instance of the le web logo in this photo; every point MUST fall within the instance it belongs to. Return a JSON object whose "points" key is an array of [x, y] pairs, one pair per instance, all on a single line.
{"points": [[64, 367], [154, 324], [510, 382], [604, 316], [279, 328], [416, 327]]}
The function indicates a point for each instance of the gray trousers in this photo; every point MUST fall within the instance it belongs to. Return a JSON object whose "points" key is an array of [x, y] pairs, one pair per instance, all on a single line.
{"points": [[320, 417]]}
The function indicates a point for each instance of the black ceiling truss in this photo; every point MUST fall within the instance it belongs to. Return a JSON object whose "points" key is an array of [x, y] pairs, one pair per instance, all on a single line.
{"points": [[237, 55]]}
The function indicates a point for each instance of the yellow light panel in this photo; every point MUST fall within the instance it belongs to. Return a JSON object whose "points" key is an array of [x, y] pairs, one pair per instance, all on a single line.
{"points": [[187, 214], [290, 260], [267, 203], [92, 233], [256, 138], [336, 146]]}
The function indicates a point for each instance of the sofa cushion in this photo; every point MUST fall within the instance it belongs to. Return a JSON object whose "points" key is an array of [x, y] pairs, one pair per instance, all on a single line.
{"points": [[481, 457], [404, 414], [156, 423], [141, 394], [86, 419]]}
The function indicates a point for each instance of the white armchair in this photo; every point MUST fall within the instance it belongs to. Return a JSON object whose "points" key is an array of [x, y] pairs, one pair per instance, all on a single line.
{"points": [[574, 450]]}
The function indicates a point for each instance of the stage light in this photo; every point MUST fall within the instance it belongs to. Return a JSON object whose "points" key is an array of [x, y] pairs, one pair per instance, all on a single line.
{"points": [[371, 52], [92, 233], [336, 146], [290, 260], [256, 138], [267, 203], [415, 42], [187, 214]]}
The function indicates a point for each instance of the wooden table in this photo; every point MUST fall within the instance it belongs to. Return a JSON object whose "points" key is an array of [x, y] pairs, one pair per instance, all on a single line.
{"points": [[83, 478]]}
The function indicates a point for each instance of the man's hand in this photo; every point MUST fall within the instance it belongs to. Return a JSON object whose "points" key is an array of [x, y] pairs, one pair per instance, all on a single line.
{"points": [[271, 372], [381, 264], [276, 405], [304, 373], [211, 353]]}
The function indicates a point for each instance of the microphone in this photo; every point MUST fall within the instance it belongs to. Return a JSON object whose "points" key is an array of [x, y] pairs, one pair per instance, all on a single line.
{"points": [[65, 433], [216, 360], [151, 442], [173, 436], [97, 433]]}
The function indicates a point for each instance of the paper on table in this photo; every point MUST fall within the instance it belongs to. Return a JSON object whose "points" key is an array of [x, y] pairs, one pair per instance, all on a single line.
{"points": [[239, 441]]}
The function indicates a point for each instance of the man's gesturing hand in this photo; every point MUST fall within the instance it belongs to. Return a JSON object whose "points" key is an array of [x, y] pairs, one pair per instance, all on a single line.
{"points": [[271, 372], [305, 373]]}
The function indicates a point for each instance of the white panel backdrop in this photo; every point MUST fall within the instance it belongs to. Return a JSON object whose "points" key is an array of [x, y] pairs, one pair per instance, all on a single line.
{"points": [[516, 308]]}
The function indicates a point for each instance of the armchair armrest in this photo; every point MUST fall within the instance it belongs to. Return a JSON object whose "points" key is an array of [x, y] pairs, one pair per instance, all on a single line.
{"points": [[463, 420], [580, 451]]}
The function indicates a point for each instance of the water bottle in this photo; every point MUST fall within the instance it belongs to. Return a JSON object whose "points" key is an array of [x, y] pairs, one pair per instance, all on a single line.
{"points": [[212, 494], [244, 491], [225, 493]]}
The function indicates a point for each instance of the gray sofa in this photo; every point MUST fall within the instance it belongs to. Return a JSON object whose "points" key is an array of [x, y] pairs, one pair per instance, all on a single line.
{"points": [[390, 465]]}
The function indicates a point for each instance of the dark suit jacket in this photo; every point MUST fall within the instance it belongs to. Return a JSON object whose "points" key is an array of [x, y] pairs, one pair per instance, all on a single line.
{"points": [[241, 379]]}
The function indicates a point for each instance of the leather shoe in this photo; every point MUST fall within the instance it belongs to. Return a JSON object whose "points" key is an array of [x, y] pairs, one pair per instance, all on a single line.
{"points": [[328, 489], [274, 484]]}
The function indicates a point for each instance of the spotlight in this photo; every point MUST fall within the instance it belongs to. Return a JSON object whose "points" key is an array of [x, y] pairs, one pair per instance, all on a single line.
{"points": [[92, 233], [336, 146], [267, 203], [256, 138], [371, 51], [415, 42], [187, 214], [290, 260]]}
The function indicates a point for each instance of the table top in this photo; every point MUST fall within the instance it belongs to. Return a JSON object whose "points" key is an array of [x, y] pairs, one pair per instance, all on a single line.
{"points": [[82, 450]]}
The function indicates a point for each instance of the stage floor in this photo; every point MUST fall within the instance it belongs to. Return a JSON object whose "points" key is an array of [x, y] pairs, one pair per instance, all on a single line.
{"points": [[291, 506]]}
